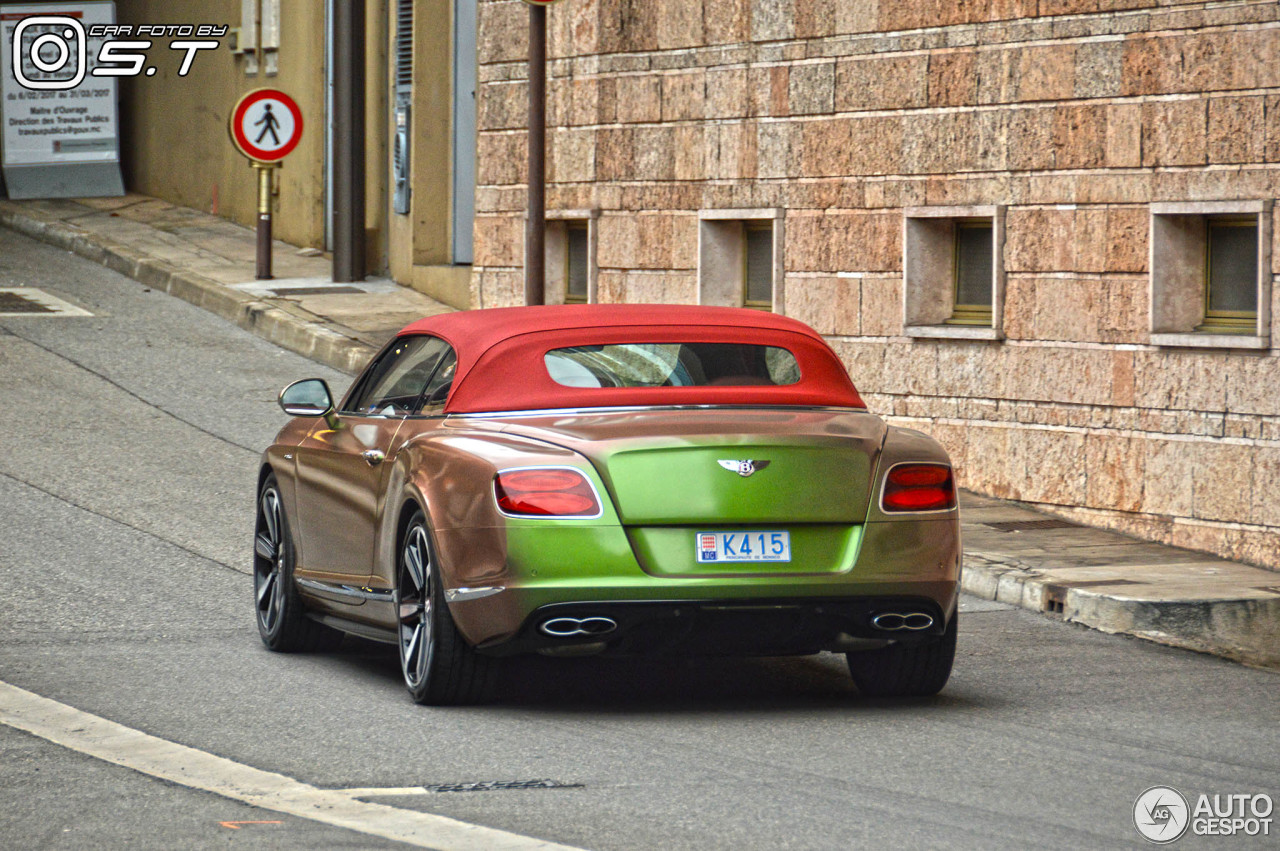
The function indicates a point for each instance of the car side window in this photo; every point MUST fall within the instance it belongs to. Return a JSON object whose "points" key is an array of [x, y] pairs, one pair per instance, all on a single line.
{"points": [[394, 382], [437, 391]]}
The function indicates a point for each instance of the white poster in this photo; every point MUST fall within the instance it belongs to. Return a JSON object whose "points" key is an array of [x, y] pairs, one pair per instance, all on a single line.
{"points": [[55, 110]]}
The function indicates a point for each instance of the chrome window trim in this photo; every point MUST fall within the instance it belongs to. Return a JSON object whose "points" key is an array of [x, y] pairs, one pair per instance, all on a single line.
{"points": [[628, 409]]}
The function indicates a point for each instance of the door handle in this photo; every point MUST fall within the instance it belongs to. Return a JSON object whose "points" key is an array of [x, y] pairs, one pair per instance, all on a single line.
{"points": [[373, 456]]}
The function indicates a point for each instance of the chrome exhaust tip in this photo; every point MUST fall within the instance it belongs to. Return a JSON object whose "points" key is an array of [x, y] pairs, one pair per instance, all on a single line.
{"points": [[577, 627], [917, 621], [894, 621]]}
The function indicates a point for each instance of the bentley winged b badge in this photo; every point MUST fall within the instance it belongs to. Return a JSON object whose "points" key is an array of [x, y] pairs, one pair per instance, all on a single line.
{"points": [[743, 468]]}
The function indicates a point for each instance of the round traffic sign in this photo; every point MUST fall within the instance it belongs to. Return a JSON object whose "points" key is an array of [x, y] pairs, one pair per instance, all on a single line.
{"points": [[266, 125]]}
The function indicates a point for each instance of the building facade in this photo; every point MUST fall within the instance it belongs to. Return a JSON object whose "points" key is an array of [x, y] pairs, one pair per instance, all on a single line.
{"points": [[174, 141], [1040, 230], [419, 118]]}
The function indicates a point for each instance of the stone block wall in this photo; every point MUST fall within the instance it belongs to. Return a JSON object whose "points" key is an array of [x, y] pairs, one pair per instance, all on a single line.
{"points": [[1073, 115]]}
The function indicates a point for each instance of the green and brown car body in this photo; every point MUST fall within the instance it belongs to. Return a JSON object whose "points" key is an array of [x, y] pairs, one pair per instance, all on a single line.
{"points": [[803, 464]]}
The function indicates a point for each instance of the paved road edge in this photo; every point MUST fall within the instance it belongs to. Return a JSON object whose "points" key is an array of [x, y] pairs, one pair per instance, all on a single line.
{"points": [[308, 338], [195, 769]]}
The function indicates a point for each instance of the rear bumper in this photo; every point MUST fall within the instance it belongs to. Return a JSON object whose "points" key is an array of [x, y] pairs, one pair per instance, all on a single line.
{"points": [[765, 627], [538, 567]]}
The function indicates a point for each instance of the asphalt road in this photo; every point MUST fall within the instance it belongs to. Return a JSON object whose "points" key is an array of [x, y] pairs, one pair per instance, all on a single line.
{"points": [[129, 442]]}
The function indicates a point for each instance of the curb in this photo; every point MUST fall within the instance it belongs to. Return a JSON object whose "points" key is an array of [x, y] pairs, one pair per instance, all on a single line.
{"points": [[310, 339], [1242, 630]]}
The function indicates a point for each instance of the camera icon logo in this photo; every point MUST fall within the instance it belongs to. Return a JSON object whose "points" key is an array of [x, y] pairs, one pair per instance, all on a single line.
{"points": [[53, 43]]}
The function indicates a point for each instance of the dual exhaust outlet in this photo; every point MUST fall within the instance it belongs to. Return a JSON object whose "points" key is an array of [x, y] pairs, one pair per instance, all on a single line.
{"points": [[596, 625], [565, 627], [895, 621]]}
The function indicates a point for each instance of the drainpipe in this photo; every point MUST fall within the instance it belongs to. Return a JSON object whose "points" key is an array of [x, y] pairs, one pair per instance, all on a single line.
{"points": [[536, 225], [348, 26]]}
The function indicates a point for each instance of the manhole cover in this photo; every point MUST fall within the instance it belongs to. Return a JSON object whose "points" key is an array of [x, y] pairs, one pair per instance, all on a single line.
{"points": [[1029, 525], [495, 785], [286, 292], [29, 301]]}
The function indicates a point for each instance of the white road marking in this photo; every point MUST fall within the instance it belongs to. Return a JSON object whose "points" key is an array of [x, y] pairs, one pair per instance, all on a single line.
{"points": [[53, 306], [156, 757]]}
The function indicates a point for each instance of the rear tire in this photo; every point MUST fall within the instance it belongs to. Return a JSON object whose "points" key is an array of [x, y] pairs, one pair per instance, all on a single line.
{"points": [[906, 670], [281, 616], [440, 668]]}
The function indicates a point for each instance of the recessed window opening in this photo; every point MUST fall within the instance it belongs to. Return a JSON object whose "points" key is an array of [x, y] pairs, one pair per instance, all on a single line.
{"points": [[1210, 273], [740, 259], [953, 272], [570, 257]]}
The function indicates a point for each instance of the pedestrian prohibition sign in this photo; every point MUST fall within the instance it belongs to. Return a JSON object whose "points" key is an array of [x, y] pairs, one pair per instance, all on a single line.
{"points": [[266, 125]]}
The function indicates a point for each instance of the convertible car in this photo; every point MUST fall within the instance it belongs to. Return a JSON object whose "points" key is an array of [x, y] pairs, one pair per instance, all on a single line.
{"points": [[594, 479]]}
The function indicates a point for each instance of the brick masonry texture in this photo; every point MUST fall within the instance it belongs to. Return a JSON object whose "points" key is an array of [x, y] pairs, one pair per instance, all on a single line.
{"points": [[1074, 116]]}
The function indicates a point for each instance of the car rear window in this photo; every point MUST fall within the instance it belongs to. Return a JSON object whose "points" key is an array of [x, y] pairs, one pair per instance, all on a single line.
{"points": [[672, 365]]}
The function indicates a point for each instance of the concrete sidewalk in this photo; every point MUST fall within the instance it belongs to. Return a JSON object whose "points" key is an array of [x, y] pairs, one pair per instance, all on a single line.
{"points": [[211, 262], [1013, 555]]}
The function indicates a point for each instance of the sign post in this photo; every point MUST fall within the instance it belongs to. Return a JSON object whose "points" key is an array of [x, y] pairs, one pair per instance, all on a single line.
{"points": [[535, 240], [265, 125]]}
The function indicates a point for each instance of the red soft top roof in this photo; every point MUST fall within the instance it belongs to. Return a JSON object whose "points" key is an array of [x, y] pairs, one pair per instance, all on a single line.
{"points": [[501, 368]]}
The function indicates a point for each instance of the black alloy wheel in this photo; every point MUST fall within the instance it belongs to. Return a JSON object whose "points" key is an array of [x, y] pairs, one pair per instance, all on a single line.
{"points": [[281, 616], [438, 665], [413, 602]]}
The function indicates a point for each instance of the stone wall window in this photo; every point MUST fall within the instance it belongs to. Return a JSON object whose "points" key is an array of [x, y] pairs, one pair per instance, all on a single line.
{"points": [[757, 276], [1210, 274], [1231, 276], [576, 261], [953, 272], [974, 240], [740, 258], [571, 266]]}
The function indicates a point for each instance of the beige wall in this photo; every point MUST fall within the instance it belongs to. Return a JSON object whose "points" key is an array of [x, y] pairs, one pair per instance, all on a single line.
{"points": [[421, 241], [1071, 119], [175, 144]]}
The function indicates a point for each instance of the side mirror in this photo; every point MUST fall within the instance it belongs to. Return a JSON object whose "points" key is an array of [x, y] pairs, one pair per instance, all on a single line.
{"points": [[309, 398]]}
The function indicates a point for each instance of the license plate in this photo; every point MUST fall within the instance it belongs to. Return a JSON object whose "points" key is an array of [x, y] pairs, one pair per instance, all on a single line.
{"points": [[729, 547]]}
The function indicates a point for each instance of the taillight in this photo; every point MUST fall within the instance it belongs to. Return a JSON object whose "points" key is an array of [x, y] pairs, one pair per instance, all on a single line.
{"points": [[545, 492], [919, 487]]}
